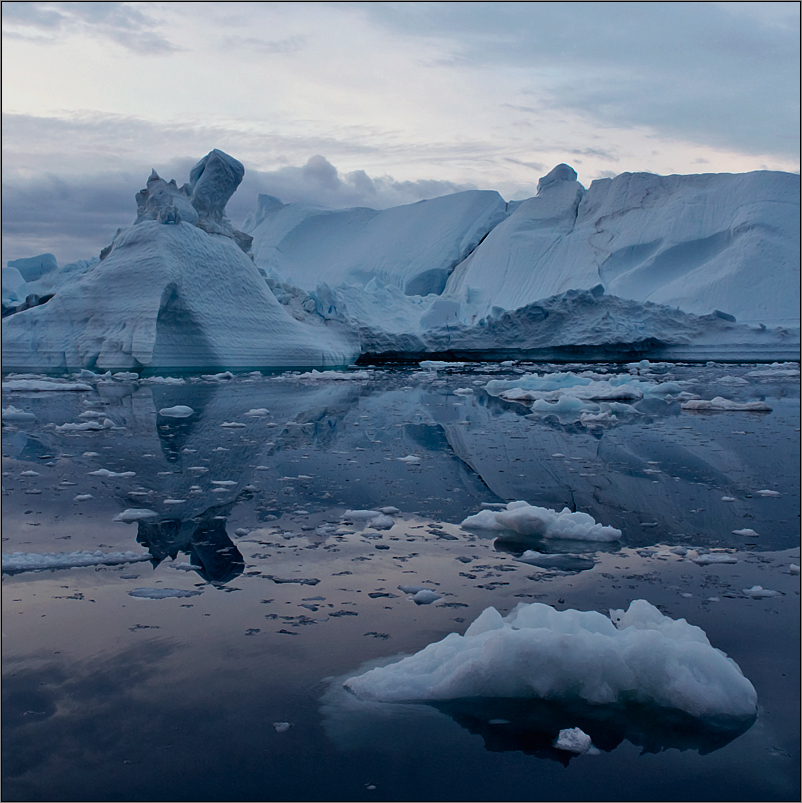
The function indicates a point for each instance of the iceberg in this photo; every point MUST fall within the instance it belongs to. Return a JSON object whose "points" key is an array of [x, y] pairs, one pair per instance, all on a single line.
{"points": [[536, 652], [671, 267], [173, 291]]}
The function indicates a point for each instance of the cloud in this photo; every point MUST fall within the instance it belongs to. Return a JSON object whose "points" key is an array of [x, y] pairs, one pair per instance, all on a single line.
{"points": [[74, 217], [126, 24], [292, 44], [711, 73]]}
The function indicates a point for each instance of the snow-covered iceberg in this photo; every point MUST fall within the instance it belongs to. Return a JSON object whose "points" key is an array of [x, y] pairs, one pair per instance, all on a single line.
{"points": [[173, 291], [673, 267], [635, 656]]}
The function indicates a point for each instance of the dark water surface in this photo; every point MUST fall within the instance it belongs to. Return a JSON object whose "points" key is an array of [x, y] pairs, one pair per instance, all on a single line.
{"points": [[114, 696]]}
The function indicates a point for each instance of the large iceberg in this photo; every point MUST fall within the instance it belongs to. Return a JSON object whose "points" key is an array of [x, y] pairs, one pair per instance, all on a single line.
{"points": [[635, 656], [173, 291], [673, 267]]}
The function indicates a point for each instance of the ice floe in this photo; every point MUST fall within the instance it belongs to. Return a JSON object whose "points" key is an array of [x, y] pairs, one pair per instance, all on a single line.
{"points": [[31, 561], [540, 522], [637, 655]]}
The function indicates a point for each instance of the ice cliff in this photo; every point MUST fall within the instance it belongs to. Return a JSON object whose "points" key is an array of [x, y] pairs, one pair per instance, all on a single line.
{"points": [[697, 266]]}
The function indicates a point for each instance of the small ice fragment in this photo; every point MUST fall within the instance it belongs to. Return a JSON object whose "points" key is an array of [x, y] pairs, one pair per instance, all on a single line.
{"points": [[91, 454], [135, 514], [573, 740], [727, 498], [82, 497], [389, 510], [258, 412], [12, 415], [425, 597], [410, 459], [104, 472], [745, 531], [758, 592], [161, 593], [793, 568], [766, 492], [232, 424], [179, 411], [558, 454], [678, 550], [224, 482], [241, 531], [704, 560], [463, 392], [282, 727], [174, 501], [29, 474], [263, 468]]}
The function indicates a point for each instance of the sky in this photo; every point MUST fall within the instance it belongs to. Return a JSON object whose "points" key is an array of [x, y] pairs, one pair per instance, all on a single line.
{"points": [[376, 104]]}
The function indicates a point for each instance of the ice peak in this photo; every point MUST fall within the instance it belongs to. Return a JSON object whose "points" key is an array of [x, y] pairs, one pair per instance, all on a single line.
{"points": [[201, 202], [562, 172]]}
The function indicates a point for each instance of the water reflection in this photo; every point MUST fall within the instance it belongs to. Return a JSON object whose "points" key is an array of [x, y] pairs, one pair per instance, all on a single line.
{"points": [[532, 726]]}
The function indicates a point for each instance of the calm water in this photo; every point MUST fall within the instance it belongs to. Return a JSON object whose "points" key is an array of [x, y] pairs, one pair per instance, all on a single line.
{"points": [[109, 696]]}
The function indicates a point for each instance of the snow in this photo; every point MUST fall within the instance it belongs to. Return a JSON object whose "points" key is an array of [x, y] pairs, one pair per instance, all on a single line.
{"points": [[32, 561], [540, 522], [720, 404], [637, 655], [178, 411]]}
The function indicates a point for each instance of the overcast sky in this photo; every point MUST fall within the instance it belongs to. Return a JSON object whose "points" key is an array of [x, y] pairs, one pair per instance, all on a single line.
{"points": [[377, 104]]}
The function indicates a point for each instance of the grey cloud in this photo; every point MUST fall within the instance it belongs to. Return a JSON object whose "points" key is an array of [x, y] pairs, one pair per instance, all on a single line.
{"points": [[124, 23], [292, 44], [700, 71]]}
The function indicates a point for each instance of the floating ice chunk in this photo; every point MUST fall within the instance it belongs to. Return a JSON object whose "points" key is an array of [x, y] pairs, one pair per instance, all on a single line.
{"points": [[31, 561], [174, 501], [410, 459], [573, 740], [360, 515], [727, 498], [161, 593], [381, 522], [714, 557], [538, 652], [135, 514], [282, 727], [163, 380], [104, 472], [540, 522], [258, 412], [221, 377], [562, 562], [125, 376], [425, 597], [746, 531], [389, 510], [179, 411], [15, 416], [773, 494], [463, 392], [227, 483], [335, 375], [793, 568], [43, 385], [436, 365], [719, 404], [95, 426], [29, 474], [232, 424], [82, 497], [758, 592]]}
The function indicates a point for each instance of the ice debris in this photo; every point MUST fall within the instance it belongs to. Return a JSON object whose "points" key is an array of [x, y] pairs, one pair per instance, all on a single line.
{"points": [[721, 405], [178, 411], [135, 514], [574, 740]]}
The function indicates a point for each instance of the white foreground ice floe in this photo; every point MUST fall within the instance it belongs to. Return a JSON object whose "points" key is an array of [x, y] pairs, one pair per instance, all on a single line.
{"points": [[638, 655]]}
